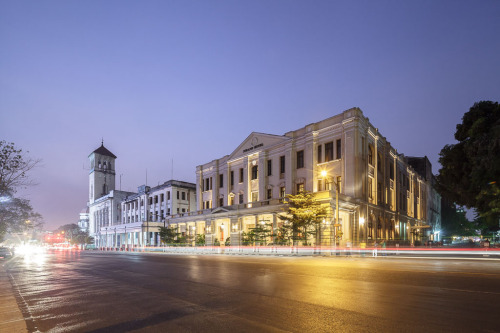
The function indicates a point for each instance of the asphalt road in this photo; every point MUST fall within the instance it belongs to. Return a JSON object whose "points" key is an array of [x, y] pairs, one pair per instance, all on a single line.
{"points": [[66, 291]]}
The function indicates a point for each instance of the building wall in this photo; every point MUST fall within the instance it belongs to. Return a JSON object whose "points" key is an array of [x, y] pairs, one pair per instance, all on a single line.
{"points": [[378, 186]]}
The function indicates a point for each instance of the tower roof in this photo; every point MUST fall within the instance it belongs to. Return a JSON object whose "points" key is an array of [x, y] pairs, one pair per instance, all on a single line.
{"points": [[104, 151]]}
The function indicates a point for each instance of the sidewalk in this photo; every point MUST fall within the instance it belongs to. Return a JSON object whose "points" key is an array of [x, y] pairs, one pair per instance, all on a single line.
{"points": [[11, 317]]}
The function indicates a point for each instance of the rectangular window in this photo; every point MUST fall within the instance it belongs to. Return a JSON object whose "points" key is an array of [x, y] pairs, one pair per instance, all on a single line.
{"points": [[232, 178], [210, 183], [320, 152], [255, 172], [255, 196], [370, 188], [300, 187], [207, 184], [282, 164], [183, 195], [320, 184], [269, 167], [183, 210], [269, 194], [300, 159], [282, 192], [379, 193], [221, 202], [221, 180], [168, 197], [162, 197], [241, 175], [339, 149], [177, 195], [156, 199], [231, 200], [328, 151], [168, 210], [241, 198]]}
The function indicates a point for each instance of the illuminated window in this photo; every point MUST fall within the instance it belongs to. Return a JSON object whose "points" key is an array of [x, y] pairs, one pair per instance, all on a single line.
{"points": [[339, 183], [255, 196], [282, 192], [300, 187]]}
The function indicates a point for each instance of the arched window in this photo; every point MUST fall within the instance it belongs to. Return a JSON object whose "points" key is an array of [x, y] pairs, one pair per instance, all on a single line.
{"points": [[99, 165], [105, 166]]}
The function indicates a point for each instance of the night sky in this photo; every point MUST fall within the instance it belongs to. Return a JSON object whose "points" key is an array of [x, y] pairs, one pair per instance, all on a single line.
{"points": [[188, 81]]}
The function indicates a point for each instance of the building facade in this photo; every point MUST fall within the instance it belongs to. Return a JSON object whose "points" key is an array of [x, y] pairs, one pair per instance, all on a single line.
{"points": [[381, 197], [83, 221], [121, 219]]}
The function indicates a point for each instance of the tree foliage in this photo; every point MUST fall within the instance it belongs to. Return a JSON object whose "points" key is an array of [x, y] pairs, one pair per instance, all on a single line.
{"points": [[75, 235], [454, 222], [470, 173], [16, 214], [169, 235], [14, 168], [303, 216]]}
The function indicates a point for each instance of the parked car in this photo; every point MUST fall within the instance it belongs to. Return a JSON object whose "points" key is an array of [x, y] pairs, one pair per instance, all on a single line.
{"points": [[5, 253]]}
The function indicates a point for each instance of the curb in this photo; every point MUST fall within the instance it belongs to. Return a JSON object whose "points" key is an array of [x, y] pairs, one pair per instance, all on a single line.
{"points": [[11, 317]]}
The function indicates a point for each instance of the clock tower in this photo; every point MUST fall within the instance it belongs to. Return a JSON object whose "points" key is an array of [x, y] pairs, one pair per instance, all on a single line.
{"points": [[102, 173]]}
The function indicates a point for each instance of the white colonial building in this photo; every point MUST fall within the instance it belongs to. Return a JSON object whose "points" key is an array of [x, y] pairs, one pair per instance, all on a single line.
{"points": [[381, 196], [120, 219], [83, 221]]}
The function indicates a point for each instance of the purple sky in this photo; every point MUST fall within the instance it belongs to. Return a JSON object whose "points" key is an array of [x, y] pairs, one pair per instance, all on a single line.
{"points": [[190, 80]]}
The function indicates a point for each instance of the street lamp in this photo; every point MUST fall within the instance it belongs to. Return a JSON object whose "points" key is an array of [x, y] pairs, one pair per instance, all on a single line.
{"points": [[222, 241]]}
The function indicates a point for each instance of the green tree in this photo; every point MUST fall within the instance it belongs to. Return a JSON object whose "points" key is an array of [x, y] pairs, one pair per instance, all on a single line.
{"points": [[304, 214], [168, 235], [471, 168], [74, 235], [16, 215], [200, 239], [262, 232], [454, 222]]}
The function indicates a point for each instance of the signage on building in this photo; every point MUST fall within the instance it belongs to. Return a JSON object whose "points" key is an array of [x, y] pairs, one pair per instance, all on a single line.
{"points": [[253, 147]]}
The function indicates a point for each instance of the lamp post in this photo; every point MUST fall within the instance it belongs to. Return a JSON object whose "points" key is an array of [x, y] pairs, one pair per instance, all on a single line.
{"points": [[222, 241]]}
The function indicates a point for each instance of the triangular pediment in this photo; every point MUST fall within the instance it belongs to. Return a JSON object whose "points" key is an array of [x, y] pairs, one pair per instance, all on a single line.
{"points": [[220, 210], [256, 142]]}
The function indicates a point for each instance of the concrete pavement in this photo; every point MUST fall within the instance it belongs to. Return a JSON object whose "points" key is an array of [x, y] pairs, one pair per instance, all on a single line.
{"points": [[11, 317]]}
